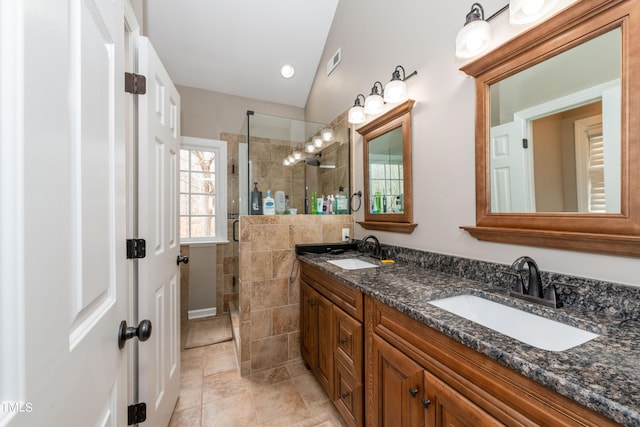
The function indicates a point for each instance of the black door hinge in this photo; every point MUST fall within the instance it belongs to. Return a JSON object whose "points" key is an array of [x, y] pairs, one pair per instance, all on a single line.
{"points": [[525, 143], [137, 413], [136, 248], [135, 83]]}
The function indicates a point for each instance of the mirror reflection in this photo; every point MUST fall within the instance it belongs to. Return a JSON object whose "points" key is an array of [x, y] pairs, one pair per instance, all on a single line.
{"points": [[555, 133], [386, 173]]}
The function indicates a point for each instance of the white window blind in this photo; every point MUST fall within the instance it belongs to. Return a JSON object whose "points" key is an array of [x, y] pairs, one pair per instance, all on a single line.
{"points": [[597, 201]]}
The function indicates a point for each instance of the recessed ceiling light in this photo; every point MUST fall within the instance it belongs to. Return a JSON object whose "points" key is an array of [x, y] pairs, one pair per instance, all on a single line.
{"points": [[287, 71]]}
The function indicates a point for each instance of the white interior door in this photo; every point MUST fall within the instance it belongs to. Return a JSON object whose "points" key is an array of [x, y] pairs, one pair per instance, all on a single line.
{"points": [[511, 189], [63, 212], [158, 277]]}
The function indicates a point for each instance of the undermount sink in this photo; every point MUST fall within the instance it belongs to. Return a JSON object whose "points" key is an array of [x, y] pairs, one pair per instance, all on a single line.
{"points": [[352, 263], [529, 328]]}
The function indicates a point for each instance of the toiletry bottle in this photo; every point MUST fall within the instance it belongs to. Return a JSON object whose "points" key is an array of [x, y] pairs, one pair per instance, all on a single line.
{"points": [[314, 203], [378, 202], [280, 202], [287, 204], [342, 203], [256, 200], [320, 203], [268, 205]]}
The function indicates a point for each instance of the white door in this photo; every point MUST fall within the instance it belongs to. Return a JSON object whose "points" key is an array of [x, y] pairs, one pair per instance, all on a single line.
{"points": [[62, 214], [511, 188], [158, 277]]}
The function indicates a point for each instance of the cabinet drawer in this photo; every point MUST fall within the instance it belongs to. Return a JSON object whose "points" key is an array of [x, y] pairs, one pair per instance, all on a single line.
{"points": [[344, 296], [348, 398], [347, 335]]}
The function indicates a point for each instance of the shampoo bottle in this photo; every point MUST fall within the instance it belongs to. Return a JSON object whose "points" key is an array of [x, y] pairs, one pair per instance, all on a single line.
{"points": [[342, 203], [280, 203], [268, 205], [256, 200]]}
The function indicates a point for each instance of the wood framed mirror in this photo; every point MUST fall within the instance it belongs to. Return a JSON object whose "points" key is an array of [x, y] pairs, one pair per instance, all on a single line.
{"points": [[387, 159], [580, 70]]}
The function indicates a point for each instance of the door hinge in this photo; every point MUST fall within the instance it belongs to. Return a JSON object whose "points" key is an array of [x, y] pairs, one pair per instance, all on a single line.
{"points": [[525, 143], [137, 413], [135, 83], [136, 248]]}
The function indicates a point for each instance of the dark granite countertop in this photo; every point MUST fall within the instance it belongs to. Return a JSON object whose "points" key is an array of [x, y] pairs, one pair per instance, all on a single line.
{"points": [[602, 374]]}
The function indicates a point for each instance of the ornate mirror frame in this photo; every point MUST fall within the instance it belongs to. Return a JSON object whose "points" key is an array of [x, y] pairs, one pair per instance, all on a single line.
{"points": [[399, 116], [609, 233]]}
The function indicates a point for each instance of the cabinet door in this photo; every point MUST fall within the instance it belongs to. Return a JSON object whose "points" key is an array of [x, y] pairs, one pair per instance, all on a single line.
{"points": [[348, 341], [397, 387], [308, 326], [349, 395], [445, 407], [317, 335], [324, 369]]}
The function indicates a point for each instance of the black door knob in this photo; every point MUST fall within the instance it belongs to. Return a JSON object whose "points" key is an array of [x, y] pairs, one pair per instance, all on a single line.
{"points": [[413, 391], [182, 259], [143, 332]]}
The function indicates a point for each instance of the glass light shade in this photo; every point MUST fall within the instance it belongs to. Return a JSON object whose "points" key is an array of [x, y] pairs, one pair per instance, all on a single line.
{"points": [[297, 155], [357, 115], [285, 162], [291, 159], [395, 91], [473, 39], [526, 11], [327, 134], [309, 148], [317, 142], [374, 104]]}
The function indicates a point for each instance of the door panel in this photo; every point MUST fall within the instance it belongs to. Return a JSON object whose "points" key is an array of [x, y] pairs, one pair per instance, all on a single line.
{"points": [[64, 199], [397, 387], [158, 296]]}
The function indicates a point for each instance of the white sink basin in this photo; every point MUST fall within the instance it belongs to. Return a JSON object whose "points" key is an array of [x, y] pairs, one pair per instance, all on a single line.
{"points": [[529, 328], [352, 263]]}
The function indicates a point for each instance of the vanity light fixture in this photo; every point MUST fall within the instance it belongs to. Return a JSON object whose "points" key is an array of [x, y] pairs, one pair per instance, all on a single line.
{"points": [[374, 103], [396, 90], [327, 134], [309, 148], [475, 36], [526, 11], [318, 142], [356, 113]]}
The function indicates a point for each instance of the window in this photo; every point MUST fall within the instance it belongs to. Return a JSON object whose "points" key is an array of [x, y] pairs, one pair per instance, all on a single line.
{"points": [[203, 191]]}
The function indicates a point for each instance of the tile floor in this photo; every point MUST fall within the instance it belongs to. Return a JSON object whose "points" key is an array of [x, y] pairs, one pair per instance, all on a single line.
{"points": [[212, 393]]}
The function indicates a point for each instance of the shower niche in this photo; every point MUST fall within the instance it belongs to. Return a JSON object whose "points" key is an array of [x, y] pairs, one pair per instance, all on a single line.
{"points": [[296, 157]]}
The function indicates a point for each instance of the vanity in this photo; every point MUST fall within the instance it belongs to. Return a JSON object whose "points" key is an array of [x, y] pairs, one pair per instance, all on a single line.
{"points": [[422, 365]]}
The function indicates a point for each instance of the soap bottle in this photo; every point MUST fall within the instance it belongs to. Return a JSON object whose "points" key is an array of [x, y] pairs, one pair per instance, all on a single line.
{"points": [[280, 203], [314, 203], [268, 205], [256, 200], [320, 204], [342, 204]]}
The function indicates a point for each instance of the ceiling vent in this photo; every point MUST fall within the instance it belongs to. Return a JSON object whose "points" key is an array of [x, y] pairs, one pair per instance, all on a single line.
{"points": [[334, 61]]}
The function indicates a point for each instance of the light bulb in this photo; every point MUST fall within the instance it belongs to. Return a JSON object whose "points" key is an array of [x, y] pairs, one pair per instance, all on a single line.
{"points": [[309, 148], [285, 162], [297, 155], [317, 142], [327, 134], [290, 158], [287, 71]]}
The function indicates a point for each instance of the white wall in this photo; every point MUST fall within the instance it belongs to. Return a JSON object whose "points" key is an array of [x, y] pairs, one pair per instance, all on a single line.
{"points": [[377, 35]]}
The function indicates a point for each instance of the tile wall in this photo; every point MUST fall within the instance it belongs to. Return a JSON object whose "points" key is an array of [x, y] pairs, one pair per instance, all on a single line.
{"points": [[269, 284]]}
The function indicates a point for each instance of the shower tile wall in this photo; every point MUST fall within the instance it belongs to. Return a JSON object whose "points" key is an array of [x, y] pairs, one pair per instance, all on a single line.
{"points": [[269, 299]]}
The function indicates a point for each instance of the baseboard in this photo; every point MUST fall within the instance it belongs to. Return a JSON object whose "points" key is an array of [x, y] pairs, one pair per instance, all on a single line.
{"points": [[203, 312]]}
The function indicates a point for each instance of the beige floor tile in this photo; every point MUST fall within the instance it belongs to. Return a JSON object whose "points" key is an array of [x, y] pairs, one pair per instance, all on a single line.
{"points": [[222, 385], [310, 390], [235, 411], [219, 361], [297, 368], [276, 401], [186, 417], [270, 376], [190, 393]]}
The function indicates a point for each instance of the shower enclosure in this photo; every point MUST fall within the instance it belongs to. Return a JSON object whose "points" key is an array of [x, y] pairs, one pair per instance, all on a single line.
{"points": [[296, 157], [279, 154]]}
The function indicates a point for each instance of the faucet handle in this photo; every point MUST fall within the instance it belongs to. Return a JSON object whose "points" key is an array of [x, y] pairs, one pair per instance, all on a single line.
{"points": [[519, 285], [550, 294]]}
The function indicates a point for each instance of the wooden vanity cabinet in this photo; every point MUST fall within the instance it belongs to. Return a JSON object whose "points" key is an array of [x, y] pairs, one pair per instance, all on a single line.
{"points": [[331, 341], [416, 376]]}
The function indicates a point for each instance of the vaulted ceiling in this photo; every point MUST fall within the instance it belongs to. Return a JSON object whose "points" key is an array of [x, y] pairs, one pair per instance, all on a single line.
{"points": [[238, 46]]}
